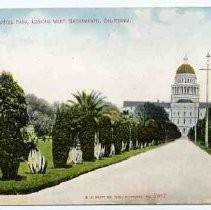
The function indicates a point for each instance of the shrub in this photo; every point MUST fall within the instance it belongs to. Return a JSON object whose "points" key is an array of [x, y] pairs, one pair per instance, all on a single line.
{"points": [[30, 138], [134, 135], [172, 131], [37, 162], [118, 136], [87, 137], [105, 135], [13, 117], [62, 137]]}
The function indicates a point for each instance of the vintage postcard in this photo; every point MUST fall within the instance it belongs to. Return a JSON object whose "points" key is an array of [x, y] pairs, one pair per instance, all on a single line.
{"points": [[105, 106]]}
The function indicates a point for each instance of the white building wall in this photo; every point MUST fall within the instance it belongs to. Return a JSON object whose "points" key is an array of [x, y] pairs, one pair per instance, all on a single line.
{"points": [[185, 102], [185, 116]]}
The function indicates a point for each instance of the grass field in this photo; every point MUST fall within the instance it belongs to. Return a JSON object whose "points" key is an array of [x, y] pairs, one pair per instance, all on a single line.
{"points": [[201, 144], [35, 182]]}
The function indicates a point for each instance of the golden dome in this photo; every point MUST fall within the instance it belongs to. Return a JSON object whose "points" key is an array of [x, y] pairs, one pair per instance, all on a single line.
{"points": [[185, 69]]}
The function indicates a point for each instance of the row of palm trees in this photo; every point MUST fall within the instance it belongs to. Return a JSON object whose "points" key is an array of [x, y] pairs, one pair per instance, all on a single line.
{"points": [[79, 121]]}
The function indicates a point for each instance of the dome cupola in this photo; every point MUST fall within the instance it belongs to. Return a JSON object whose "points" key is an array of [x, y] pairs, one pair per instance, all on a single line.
{"points": [[185, 68]]}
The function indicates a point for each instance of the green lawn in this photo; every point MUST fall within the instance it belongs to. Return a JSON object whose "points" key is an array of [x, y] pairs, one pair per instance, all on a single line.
{"points": [[35, 182], [201, 144]]}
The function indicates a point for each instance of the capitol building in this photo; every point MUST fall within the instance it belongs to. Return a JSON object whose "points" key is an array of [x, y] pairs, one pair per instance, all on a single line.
{"points": [[184, 109]]}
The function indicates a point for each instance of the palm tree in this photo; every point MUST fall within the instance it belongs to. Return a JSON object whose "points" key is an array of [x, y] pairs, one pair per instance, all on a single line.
{"points": [[108, 117], [93, 102], [146, 126], [90, 106], [133, 123]]}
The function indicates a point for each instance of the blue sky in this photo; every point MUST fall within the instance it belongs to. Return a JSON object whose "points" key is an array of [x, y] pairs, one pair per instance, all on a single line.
{"points": [[134, 61], [93, 13], [74, 13]]}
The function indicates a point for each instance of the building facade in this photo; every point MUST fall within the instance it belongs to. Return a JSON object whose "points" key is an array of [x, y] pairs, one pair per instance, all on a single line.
{"points": [[184, 109]]}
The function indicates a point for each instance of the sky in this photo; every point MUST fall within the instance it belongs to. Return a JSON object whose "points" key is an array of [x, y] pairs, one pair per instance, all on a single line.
{"points": [[124, 61]]}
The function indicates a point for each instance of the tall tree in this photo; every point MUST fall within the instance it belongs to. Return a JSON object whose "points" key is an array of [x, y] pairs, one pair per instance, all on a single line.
{"points": [[172, 131], [146, 125], [108, 117], [63, 134], [13, 117], [41, 114], [90, 105], [159, 130], [200, 130]]}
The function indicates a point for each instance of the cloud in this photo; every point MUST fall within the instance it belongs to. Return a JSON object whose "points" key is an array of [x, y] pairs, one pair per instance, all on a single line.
{"points": [[144, 14], [55, 61], [176, 17], [161, 44]]}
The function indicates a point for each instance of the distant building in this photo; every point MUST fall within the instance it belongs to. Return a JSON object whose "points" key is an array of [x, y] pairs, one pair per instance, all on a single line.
{"points": [[184, 110]]}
